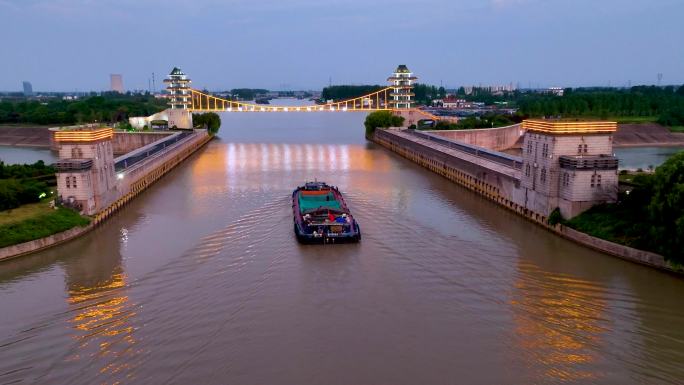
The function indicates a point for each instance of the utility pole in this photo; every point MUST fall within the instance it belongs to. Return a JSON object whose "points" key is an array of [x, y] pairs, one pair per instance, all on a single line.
{"points": [[154, 86]]}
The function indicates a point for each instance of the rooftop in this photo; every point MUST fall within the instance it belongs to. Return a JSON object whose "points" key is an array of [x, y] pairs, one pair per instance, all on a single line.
{"points": [[176, 71], [402, 69]]}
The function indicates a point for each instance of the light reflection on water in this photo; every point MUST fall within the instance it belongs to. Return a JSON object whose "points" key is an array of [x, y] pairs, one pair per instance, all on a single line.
{"points": [[200, 280]]}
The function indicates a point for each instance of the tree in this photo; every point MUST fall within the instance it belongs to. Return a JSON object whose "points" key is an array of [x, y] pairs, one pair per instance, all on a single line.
{"points": [[666, 209], [210, 120], [381, 119]]}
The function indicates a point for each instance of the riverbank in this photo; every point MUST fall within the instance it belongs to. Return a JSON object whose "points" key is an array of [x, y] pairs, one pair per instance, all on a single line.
{"points": [[467, 170], [25, 136], [646, 135]]}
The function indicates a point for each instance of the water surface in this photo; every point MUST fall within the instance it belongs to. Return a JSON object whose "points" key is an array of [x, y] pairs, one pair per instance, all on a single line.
{"points": [[200, 280], [21, 155]]}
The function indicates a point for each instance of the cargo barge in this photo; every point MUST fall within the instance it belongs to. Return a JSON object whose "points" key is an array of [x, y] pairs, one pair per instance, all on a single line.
{"points": [[321, 215]]}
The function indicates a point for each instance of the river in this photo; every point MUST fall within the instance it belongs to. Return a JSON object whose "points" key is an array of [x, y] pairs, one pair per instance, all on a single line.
{"points": [[200, 280]]}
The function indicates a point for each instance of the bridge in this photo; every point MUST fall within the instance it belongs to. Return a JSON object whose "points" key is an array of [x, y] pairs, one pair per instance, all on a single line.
{"points": [[398, 95], [375, 101]]}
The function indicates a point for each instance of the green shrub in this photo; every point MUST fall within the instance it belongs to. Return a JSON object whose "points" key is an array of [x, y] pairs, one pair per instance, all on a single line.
{"points": [[210, 120], [381, 119], [555, 217]]}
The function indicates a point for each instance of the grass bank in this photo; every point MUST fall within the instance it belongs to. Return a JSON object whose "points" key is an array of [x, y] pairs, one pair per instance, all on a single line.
{"points": [[25, 224], [25, 212]]}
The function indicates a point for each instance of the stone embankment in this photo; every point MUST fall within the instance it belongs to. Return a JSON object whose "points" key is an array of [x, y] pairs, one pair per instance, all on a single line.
{"points": [[497, 182], [22, 136], [646, 134]]}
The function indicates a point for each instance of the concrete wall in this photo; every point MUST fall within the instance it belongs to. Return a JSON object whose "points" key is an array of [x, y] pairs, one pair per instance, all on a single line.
{"points": [[125, 142], [137, 178], [130, 176], [497, 139]]}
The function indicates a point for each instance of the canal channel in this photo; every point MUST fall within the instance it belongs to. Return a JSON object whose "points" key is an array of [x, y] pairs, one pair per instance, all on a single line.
{"points": [[200, 280]]}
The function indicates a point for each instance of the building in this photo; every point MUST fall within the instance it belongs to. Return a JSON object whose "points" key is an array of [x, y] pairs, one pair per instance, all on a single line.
{"points": [[116, 83], [498, 89], [85, 170], [557, 91], [569, 165], [28, 88], [451, 102], [401, 81]]}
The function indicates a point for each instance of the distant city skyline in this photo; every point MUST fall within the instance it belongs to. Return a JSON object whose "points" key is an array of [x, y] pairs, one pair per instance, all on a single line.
{"points": [[305, 43]]}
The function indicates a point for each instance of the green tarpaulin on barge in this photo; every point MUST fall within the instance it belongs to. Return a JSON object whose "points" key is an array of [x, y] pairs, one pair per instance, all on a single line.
{"points": [[312, 202]]}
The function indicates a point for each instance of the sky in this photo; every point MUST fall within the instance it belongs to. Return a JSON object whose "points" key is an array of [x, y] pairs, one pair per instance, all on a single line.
{"points": [[67, 45]]}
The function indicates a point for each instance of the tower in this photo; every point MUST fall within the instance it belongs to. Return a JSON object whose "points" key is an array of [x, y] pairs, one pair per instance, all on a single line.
{"points": [[178, 86], [401, 82], [28, 88], [116, 83], [85, 170], [180, 99], [568, 165]]}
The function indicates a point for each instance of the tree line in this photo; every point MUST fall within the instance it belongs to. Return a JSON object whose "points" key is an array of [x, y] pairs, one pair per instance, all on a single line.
{"points": [[247, 93], [24, 183], [348, 92], [109, 107], [667, 103]]}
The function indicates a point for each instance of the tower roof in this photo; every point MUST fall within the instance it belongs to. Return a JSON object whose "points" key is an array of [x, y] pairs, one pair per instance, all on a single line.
{"points": [[176, 71], [402, 69]]}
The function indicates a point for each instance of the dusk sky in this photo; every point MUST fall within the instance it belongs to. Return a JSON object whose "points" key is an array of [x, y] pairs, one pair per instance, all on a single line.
{"points": [[64, 45]]}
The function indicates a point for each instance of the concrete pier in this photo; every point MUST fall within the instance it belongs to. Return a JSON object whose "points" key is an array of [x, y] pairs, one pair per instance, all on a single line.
{"points": [[99, 184], [498, 179]]}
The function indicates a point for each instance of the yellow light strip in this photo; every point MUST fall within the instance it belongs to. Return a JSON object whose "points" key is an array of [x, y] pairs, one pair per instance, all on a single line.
{"points": [[84, 135], [560, 127]]}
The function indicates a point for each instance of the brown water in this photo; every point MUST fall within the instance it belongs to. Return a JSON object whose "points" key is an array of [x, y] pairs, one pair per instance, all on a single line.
{"points": [[200, 280]]}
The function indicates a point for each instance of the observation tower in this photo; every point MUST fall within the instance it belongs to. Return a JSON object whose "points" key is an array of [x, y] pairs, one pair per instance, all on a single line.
{"points": [[178, 86], [401, 82]]}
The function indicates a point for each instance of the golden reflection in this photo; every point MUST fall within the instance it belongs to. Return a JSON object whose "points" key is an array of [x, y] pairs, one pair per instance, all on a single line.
{"points": [[558, 324], [102, 315], [236, 160]]}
